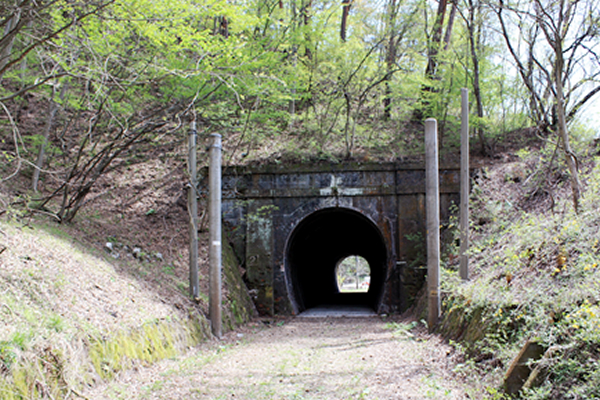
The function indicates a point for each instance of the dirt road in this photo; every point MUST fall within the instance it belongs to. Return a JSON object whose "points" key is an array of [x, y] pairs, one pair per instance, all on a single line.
{"points": [[321, 358]]}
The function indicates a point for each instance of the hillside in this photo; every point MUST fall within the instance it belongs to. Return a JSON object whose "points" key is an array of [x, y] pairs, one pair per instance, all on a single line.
{"points": [[97, 102], [80, 302], [108, 291], [534, 275], [71, 317]]}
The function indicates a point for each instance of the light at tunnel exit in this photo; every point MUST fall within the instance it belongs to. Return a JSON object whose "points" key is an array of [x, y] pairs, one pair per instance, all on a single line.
{"points": [[353, 275]]}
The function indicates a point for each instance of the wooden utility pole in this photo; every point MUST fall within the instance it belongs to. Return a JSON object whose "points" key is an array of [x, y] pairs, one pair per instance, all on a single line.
{"points": [[214, 175], [432, 209], [193, 211], [464, 186]]}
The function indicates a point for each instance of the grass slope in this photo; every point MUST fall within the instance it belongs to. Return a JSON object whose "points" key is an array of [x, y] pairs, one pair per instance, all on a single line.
{"points": [[69, 319], [535, 268]]}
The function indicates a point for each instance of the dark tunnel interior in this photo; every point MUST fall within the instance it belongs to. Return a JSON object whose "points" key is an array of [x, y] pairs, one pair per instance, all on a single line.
{"points": [[316, 246]]}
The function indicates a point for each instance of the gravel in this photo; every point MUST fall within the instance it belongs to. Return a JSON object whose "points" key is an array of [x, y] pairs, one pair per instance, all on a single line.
{"points": [[316, 358]]}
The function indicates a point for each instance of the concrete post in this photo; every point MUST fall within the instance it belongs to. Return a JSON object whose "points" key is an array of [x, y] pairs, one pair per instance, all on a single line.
{"points": [[193, 211], [464, 186], [432, 209], [214, 173]]}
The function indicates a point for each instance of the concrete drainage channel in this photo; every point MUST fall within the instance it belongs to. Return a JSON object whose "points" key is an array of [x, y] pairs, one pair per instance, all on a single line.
{"points": [[338, 311]]}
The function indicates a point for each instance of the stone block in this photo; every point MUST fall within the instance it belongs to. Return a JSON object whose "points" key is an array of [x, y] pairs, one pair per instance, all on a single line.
{"points": [[519, 371]]}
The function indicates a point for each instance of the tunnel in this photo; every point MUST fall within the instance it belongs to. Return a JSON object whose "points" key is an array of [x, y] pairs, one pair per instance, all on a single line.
{"points": [[315, 248]]}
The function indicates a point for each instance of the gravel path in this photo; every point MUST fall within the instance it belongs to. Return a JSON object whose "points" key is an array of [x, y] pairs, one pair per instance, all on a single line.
{"points": [[324, 358]]}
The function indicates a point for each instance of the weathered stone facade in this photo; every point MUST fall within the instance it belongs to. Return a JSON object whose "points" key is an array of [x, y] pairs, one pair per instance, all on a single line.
{"points": [[291, 225]]}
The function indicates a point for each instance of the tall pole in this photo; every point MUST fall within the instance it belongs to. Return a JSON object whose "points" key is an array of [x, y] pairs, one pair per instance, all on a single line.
{"points": [[464, 186], [432, 210], [193, 211], [214, 254]]}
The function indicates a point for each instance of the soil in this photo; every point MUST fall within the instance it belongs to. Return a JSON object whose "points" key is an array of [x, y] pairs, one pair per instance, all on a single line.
{"points": [[308, 358]]}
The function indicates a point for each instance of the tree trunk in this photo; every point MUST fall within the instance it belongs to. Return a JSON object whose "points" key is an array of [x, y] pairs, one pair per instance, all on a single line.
{"points": [[9, 39], [24, 60], [562, 123], [305, 20], [556, 33], [390, 59], [221, 26], [473, 40], [346, 4], [450, 25], [39, 164], [294, 56], [423, 108], [349, 142], [436, 38]]}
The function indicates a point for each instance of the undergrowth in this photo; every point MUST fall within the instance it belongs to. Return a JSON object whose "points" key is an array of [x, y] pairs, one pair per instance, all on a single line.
{"points": [[535, 275]]}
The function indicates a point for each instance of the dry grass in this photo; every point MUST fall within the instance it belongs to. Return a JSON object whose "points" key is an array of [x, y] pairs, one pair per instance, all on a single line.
{"points": [[58, 301]]}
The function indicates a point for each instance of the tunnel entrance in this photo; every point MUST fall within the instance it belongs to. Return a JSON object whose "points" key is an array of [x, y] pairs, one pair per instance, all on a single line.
{"points": [[315, 250]]}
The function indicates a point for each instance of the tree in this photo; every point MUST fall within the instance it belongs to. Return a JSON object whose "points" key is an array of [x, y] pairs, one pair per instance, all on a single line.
{"points": [[390, 57], [434, 44], [128, 83], [473, 11], [36, 19], [560, 65], [21, 14]]}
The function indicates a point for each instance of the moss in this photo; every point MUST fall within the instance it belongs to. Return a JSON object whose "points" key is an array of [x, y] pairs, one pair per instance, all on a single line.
{"points": [[238, 307], [463, 324], [44, 374], [153, 342]]}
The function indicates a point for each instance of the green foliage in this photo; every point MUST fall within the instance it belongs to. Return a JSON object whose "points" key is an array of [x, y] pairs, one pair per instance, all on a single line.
{"points": [[258, 214], [274, 80]]}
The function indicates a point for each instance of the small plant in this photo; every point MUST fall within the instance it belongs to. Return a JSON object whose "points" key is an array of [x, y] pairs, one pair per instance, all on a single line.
{"points": [[402, 330], [261, 213], [56, 323], [168, 269], [8, 355]]}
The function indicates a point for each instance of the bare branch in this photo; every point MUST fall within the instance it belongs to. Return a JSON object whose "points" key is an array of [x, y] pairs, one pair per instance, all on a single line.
{"points": [[16, 140], [28, 88], [582, 102], [52, 35]]}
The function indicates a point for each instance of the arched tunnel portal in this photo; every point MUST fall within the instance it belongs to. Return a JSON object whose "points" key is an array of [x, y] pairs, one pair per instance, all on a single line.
{"points": [[316, 246], [290, 226]]}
